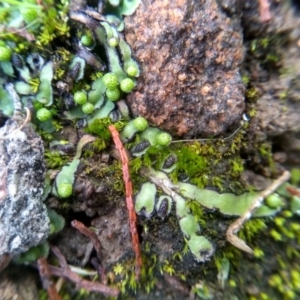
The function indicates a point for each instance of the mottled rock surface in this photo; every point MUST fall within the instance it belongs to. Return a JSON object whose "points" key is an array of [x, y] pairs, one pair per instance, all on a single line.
{"points": [[23, 216], [190, 53]]}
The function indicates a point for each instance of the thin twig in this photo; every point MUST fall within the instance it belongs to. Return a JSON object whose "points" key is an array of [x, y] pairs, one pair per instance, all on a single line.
{"points": [[13, 133], [293, 191], [237, 225], [46, 280], [100, 270], [129, 200], [65, 271], [90, 234], [210, 139]]}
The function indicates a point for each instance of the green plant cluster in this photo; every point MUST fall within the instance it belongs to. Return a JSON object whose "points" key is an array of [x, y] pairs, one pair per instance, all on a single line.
{"points": [[26, 21]]}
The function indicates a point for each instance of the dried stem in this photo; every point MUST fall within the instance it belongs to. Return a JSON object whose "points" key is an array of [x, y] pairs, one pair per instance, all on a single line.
{"points": [[264, 10], [129, 200], [293, 191], [90, 234], [237, 225], [66, 272], [46, 280]]}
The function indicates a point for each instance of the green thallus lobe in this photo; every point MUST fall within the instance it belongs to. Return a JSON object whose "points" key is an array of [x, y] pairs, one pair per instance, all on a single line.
{"points": [[226, 203], [132, 127]]}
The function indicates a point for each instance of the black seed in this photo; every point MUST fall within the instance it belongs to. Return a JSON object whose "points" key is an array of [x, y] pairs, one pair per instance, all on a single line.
{"points": [[163, 208], [170, 160], [141, 147]]}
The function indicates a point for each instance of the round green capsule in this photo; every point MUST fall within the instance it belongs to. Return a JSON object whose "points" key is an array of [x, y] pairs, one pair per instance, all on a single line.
{"points": [[87, 40], [64, 190], [140, 123], [113, 94], [164, 139], [43, 114], [110, 80], [127, 85], [80, 97], [112, 42], [274, 201], [5, 53], [88, 108], [132, 71]]}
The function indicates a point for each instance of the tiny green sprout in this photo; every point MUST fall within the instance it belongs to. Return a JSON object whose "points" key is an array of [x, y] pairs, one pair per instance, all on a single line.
{"points": [[29, 15], [5, 53], [264, 296], [132, 71], [164, 139], [232, 283], [64, 190], [80, 97], [43, 114], [279, 221], [87, 40], [258, 253], [140, 123], [110, 80], [113, 94], [276, 235], [275, 280], [88, 108], [287, 214], [127, 85], [113, 42], [295, 227], [274, 201], [118, 269]]}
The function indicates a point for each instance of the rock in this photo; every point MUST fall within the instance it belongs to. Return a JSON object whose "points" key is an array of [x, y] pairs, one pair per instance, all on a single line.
{"points": [[190, 53], [24, 220]]}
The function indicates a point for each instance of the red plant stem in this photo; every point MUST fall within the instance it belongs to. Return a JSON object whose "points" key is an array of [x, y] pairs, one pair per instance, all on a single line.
{"points": [[46, 280], [264, 10], [90, 234], [293, 191], [129, 200], [65, 271]]}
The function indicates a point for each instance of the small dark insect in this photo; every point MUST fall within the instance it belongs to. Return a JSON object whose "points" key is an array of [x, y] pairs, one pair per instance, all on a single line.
{"points": [[169, 161], [75, 71], [163, 209], [140, 147]]}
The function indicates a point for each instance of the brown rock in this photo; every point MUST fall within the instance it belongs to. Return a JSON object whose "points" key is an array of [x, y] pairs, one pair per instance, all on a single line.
{"points": [[189, 53]]}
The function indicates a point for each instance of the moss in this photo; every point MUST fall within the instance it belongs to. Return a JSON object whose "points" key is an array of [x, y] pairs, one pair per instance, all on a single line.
{"points": [[54, 159]]}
